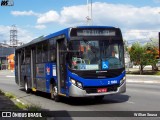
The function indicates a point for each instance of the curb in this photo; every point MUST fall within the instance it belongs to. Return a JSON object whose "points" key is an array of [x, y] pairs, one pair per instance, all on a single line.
{"points": [[20, 101]]}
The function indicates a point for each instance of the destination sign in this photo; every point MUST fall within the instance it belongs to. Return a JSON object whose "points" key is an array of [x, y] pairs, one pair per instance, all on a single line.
{"points": [[96, 32]]}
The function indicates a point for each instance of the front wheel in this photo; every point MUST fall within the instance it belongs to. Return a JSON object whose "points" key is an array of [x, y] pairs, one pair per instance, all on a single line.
{"points": [[54, 93]]}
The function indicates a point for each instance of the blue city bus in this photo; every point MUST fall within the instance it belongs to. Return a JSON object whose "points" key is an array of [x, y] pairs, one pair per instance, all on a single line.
{"points": [[81, 61]]}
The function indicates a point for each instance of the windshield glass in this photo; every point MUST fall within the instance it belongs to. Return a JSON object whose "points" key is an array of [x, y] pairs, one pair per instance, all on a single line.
{"points": [[96, 54]]}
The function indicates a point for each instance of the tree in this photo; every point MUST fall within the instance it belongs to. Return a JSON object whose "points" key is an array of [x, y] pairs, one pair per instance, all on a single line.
{"points": [[152, 54], [142, 55], [137, 56]]}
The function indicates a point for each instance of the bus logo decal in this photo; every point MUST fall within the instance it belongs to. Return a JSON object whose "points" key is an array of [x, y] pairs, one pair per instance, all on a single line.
{"points": [[105, 65], [7, 3], [48, 70]]}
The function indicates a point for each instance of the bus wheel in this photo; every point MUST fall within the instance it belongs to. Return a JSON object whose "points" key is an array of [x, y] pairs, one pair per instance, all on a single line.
{"points": [[99, 98], [54, 93], [26, 87]]}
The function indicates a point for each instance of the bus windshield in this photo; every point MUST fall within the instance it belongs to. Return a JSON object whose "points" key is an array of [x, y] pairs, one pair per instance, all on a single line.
{"points": [[96, 54]]}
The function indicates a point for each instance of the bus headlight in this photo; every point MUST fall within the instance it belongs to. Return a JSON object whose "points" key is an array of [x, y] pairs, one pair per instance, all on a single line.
{"points": [[122, 80], [73, 81], [79, 85], [76, 83]]}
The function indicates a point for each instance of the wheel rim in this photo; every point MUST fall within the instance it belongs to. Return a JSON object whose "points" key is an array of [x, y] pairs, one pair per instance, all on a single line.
{"points": [[53, 91], [26, 87]]}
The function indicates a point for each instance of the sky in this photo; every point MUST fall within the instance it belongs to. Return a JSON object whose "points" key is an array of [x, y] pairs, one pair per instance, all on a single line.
{"points": [[139, 20]]}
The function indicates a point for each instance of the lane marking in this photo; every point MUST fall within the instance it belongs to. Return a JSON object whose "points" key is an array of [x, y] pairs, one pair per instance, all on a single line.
{"points": [[133, 81], [136, 81], [149, 82], [130, 102], [10, 76]]}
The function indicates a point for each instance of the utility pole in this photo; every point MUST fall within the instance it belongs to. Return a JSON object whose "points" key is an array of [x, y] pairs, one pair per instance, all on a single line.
{"points": [[13, 36], [159, 45], [89, 13]]}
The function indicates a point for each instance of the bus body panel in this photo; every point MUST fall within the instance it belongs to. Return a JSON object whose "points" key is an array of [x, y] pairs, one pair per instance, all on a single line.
{"points": [[97, 82], [77, 92], [50, 74]]}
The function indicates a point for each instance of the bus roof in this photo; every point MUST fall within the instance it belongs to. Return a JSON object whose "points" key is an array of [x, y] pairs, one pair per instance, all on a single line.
{"points": [[62, 32], [95, 27], [66, 31], [39, 39], [42, 38]]}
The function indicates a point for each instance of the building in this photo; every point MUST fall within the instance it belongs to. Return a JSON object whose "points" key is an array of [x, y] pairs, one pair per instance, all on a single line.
{"points": [[128, 63], [5, 51]]}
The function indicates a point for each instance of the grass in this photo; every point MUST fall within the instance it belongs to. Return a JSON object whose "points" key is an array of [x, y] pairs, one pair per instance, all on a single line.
{"points": [[157, 73], [1, 92], [21, 106], [28, 107], [9, 95], [34, 108]]}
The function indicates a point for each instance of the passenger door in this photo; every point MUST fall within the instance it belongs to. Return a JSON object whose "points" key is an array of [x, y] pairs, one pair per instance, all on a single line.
{"points": [[61, 64], [33, 68]]}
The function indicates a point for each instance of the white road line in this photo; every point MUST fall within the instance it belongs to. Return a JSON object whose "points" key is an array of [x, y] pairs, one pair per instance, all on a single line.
{"points": [[10, 76], [136, 81], [130, 102], [148, 82]]}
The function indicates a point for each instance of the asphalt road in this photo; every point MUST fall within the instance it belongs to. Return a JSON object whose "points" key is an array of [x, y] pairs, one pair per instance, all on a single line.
{"points": [[139, 97]]}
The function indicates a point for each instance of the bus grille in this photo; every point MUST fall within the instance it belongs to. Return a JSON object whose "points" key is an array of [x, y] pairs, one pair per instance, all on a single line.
{"points": [[94, 89]]}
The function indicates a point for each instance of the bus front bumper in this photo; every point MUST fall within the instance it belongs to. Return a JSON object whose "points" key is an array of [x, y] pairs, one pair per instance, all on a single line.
{"points": [[74, 91]]}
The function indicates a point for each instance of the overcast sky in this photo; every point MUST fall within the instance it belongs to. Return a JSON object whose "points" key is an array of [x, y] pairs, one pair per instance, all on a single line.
{"points": [[139, 20]]}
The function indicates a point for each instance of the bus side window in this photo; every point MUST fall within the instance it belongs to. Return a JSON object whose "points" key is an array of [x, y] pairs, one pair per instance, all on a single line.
{"points": [[52, 50], [22, 57], [45, 51], [27, 55], [39, 53]]}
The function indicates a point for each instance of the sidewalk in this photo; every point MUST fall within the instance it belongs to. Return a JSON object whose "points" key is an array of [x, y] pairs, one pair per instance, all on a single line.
{"points": [[143, 79], [136, 68]]}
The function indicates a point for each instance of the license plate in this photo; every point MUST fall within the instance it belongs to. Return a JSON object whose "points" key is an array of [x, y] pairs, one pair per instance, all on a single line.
{"points": [[100, 90]]}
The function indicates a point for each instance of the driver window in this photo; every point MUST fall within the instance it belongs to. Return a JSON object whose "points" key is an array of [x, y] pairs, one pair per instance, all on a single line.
{"points": [[114, 49]]}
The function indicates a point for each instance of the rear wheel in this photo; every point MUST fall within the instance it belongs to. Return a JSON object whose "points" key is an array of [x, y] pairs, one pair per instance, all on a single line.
{"points": [[26, 87], [54, 93]]}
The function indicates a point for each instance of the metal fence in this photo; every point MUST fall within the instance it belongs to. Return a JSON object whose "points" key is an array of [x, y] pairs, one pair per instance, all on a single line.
{"points": [[4, 67]]}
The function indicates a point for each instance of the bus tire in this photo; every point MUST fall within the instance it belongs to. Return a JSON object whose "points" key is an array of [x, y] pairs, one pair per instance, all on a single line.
{"points": [[54, 93], [26, 87], [99, 98]]}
